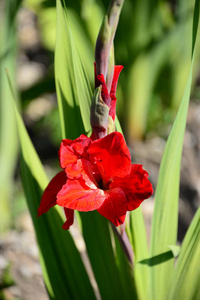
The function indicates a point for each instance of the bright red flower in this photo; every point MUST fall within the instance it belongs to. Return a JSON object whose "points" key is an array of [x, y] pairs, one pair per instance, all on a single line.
{"points": [[97, 175]]}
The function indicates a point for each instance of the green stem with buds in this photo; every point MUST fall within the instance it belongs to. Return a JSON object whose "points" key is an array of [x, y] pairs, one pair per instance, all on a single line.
{"points": [[104, 54]]}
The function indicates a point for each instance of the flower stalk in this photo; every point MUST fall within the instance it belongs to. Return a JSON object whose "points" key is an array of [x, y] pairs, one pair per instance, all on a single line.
{"points": [[105, 67], [104, 53], [97, 173], [124, 242]]}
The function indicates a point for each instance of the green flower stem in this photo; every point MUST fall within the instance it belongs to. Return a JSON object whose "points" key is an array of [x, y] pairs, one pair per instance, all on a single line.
{"points": [[124, 242], [105, 38]]}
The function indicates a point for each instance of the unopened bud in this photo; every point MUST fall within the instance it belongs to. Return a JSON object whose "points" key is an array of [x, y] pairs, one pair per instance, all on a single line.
{"points": [[106, 36], [99, 115]]}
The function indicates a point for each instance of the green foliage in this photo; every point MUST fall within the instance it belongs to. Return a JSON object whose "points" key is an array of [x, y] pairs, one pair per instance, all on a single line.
{"points": [[6, 279], [139, 240], [62, 266], [155, 274], [73, 90], [8, 137], [185, 281], [148, 43], [165, 218]]}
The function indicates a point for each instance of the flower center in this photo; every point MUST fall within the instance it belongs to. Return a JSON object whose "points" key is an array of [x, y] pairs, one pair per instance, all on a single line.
{"points": [[104, 185]]}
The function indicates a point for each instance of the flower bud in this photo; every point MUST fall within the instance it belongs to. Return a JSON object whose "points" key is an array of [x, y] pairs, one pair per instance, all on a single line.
{"points": [[106, 36], [99, 114]]}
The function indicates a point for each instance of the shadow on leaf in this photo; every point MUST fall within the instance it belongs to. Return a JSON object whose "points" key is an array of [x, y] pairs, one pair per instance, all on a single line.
{"points": [[157, 259]]}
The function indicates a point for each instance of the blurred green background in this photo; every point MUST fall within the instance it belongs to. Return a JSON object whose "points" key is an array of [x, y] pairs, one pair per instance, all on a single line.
{"points": [[153, 43]]}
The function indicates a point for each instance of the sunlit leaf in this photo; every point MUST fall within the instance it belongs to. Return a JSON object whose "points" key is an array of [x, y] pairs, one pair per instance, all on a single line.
{"points": [[139, 240], [165, 218], [185, 282], [8, 135], [97, 237], [73, 89]]}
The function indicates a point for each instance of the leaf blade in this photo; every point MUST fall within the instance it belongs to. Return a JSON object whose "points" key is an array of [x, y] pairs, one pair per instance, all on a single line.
{"points": [[73, 89], [165, 218]]}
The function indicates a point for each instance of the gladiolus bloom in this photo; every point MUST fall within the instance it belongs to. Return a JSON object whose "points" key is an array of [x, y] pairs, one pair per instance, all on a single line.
{"points": [[97, 175]]}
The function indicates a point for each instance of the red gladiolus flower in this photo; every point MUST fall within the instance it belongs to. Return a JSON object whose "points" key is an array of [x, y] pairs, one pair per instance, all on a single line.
{"points": [[97, 175]]}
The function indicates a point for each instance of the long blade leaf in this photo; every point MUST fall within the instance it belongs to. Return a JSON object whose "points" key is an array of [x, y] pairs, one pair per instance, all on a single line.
{"points": [[165, 218], [97, 237], [185, 282], [8, 134], [73, 89], [139, 240]]}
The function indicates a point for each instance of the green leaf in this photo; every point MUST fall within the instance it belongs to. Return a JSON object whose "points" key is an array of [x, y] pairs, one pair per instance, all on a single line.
{"points": [[73, 89], [97, 237], [62, 266], [175, 250], [126, 272], [165, 218], [140, 248], [195, 25], [139, 241], [8, 134], [185, 282]]}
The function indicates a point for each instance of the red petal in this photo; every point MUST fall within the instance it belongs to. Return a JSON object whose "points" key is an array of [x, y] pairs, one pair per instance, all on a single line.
{"points": [[92, 137], [117, 71], [84, 169], [50, 193], [112, 111], [69, 213], [74, 171], [111, 155], [75, 194], [100, 81], [70, 150], [114, 208], [136, 186]]}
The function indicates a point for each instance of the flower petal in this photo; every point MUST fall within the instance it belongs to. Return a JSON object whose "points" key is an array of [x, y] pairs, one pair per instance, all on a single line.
{"points": [[71, 150], [86, 170], [117, 71], [111, 155], [104, 91], [75, 194], [112, 111], [69, 213], [74, 170], [114, 208], [100, 80], [136, 186], [50, 193]]}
